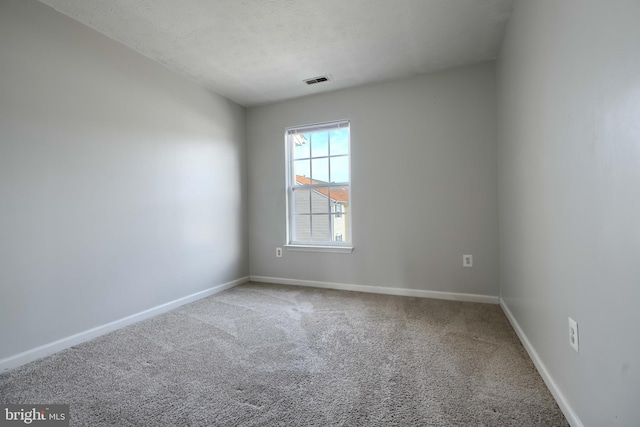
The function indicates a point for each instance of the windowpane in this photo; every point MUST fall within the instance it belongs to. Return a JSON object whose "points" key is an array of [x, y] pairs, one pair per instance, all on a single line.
{"points": [[319, 144], [339, 169], [320, 200], [301, 169], [301, 201], [301, 227], [320, 170], [319, 213], [339, 141], [300, 146], [339, 197], [321, 229], [341, 232]]}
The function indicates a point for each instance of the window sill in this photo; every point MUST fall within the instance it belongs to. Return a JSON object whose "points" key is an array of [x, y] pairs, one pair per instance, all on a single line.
{"points": [[310, 248]]}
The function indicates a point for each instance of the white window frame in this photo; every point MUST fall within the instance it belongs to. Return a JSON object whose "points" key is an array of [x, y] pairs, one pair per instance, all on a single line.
{"points": [[316, 246]]}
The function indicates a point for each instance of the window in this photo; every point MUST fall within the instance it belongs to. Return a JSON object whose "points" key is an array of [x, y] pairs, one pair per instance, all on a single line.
{"points": [[319, 185]]}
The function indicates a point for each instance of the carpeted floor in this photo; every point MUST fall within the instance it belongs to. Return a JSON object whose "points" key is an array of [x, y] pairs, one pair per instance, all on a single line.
{"points": [[262, 355]]}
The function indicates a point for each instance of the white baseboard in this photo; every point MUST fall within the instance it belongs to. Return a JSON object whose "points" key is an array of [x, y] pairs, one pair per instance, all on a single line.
{"points": [[454, 296], [560, 398], [64, 343]]}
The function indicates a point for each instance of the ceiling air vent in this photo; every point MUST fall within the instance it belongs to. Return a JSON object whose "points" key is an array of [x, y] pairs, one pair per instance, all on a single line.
{"points": [[316, 80]]}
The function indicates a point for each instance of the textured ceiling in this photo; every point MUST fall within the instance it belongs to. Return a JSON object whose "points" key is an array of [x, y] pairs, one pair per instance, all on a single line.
{"points": [[260, 51]]}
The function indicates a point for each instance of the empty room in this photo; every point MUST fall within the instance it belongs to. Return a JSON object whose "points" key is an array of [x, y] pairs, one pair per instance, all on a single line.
{"points": [[320, 213]]}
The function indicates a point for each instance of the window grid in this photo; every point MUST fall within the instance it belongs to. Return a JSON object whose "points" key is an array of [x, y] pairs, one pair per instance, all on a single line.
{"points": [[330, 215]]}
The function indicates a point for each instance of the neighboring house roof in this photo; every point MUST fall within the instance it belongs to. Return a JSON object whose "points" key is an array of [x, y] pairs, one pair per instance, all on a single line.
{"points": [[337, 194]]}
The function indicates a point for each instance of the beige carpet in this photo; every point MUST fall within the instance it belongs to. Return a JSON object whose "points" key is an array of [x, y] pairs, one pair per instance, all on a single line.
{"points": [[261, 355]]}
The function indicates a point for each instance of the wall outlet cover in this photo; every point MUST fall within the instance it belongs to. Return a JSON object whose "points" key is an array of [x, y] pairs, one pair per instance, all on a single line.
{"points": [[467, 260], [573, 335]]}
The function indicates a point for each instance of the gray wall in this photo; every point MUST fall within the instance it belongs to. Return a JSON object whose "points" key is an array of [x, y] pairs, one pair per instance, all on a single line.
{"points": [[122, 185], [569, 113], [424, 183]]}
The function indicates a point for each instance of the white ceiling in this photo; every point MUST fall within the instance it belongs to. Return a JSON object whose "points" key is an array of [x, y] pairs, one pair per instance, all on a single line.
{"points": [[260, 51]]}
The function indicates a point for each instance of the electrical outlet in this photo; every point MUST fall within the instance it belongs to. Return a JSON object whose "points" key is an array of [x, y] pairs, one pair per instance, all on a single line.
{"points": [[573, 335], [279, 252], [467, 260]]}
